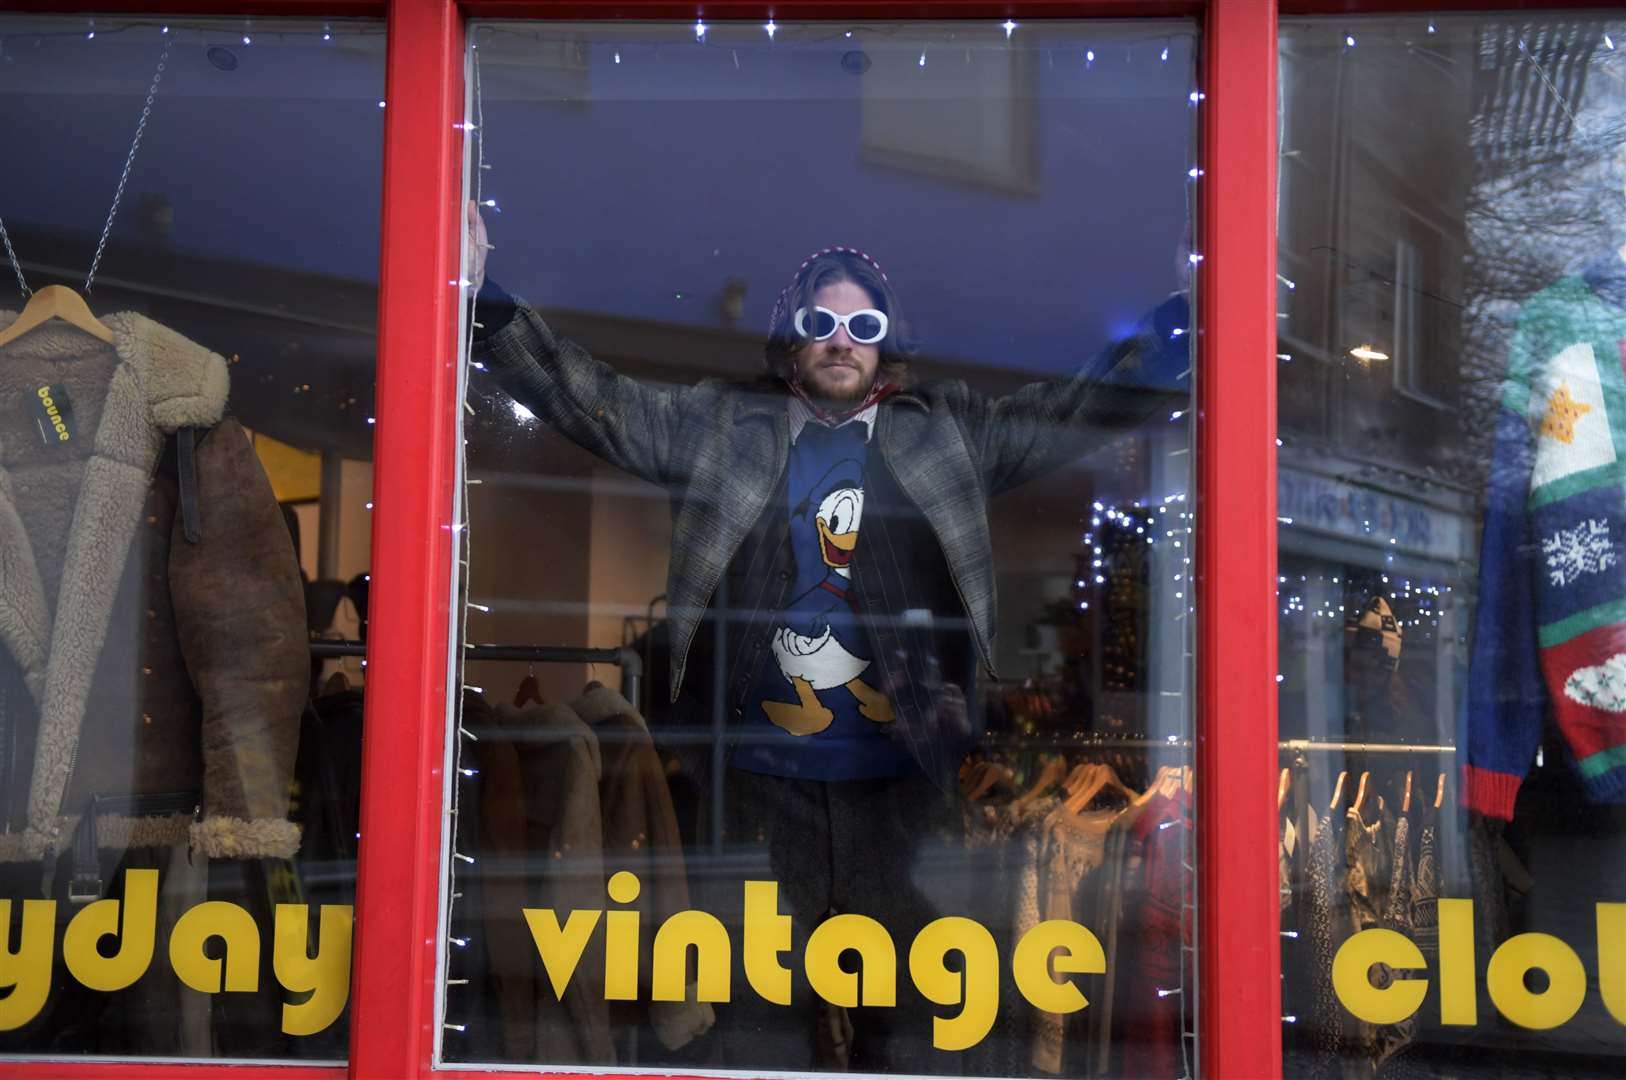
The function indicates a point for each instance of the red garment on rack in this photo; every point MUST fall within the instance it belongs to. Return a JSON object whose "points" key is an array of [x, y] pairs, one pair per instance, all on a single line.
{"points": [[1147, 1025]]}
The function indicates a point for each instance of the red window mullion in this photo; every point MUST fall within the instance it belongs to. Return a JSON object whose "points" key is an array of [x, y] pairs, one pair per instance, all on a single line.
{"points": [[415, 450], [1239, 1011]]}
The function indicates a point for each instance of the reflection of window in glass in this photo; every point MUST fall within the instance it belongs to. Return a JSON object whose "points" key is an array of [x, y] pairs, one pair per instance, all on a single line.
{"points": [[186, 372], [1449, 583], [728, 661]]}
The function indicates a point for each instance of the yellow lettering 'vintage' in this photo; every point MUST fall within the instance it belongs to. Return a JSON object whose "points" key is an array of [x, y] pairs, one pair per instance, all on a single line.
{"points": [[621, 960], [325, 976], [1076, 951], [135, 935], [1611, 959], [234, 926], [713, 959], [877, 980], [1566, 987], [767, 934], [977, 988], [27, 972], [1352, 976], [560, 948]]}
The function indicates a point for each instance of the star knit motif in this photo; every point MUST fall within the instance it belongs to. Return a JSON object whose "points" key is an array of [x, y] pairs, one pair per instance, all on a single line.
{"points": [[1562, 413]]}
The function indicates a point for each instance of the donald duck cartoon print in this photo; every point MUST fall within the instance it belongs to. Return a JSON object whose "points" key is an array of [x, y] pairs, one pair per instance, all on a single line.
{"points": [[820, 646]]}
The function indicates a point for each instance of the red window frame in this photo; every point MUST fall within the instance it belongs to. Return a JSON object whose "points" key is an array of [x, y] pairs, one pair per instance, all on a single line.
{"points": [[392, 1014]]}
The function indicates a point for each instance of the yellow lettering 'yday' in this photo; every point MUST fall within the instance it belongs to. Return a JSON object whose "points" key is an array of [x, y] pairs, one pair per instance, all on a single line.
{"points": [[767, 934], [671, 960], [325, 976], [135, 936], [1076, 951], [1566, 981], [234, 926], [26, 972], [877, 980], [977, 987], [1352, 976], [560, 948]]}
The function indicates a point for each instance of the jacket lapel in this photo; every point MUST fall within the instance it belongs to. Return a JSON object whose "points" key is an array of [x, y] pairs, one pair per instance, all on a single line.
{"points": [[933, 467], [105, 520]]}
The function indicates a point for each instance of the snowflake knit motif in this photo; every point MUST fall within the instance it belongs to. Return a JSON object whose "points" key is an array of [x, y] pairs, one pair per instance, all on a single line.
{"points": [[1585, 549], [1562, 413], [1602, 686]]}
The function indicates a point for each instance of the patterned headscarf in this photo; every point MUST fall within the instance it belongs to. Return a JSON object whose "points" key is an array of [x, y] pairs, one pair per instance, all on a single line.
{"points": [[878, 391]]}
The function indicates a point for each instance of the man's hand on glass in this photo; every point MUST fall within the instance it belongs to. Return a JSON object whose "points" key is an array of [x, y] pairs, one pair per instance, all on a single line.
{"points": [[478, 246]]}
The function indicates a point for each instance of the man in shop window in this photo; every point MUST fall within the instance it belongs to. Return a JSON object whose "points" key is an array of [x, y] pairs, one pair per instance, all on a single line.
{"points": [[831, 541]]}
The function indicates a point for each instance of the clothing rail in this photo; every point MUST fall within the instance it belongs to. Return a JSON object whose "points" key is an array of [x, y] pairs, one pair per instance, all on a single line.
{"points": [[994, 740], [1296, 745], [628, 660]]}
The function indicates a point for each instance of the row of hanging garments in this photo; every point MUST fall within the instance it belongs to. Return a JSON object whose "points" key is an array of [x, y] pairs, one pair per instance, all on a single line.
{"points": [[1360, 861], [1072, 840], [554, 800]]}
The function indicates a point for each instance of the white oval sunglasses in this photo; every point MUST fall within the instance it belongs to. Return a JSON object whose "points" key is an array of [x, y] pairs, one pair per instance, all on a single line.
{"points": [[865, 326]]}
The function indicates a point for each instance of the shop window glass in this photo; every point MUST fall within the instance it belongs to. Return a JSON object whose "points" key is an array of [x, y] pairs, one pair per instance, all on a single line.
{"points": [[735, 784], [1451, 590], [190, 210]]}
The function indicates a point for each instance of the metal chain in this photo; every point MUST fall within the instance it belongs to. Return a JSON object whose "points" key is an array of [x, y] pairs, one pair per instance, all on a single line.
{"points": [[22, 283], [129, 162]]}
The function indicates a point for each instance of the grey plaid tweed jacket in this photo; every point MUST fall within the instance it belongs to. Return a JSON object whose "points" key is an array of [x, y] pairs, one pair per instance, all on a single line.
{"points": [[721, 449]]}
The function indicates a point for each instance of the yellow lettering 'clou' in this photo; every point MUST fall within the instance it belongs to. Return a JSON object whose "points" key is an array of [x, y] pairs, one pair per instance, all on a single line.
{"points": [[1352, 976], [1566, 981]]}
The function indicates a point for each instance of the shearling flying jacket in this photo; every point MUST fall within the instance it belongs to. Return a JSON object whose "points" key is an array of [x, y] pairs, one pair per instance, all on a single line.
{"points": [[143, 651]]}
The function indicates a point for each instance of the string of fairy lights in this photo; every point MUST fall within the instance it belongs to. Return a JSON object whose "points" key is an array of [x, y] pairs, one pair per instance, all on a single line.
{"points": [[1168, 522]]}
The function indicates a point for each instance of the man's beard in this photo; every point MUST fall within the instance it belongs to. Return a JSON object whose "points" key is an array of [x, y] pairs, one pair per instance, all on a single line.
{"points": [[834, 398]]}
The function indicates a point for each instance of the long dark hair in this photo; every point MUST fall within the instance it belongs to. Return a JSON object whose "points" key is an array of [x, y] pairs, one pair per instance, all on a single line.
{"points": [[828, 268]]}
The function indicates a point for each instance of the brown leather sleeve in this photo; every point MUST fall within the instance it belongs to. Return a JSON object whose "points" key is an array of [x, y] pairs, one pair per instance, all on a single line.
{"points": [[240, 613]]}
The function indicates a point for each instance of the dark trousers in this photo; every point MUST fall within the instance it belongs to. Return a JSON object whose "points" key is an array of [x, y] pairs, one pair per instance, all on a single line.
{"points": [[833, 847]]}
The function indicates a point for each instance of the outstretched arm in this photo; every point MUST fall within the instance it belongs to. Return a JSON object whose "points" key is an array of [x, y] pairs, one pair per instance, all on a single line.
{"points": [[1046, 424], [628, 424]]}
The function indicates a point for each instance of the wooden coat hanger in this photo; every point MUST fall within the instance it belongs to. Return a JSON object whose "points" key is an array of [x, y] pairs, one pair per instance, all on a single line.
{"points": [[56, 302], [1338, 792], [1053, 771], [1158, 777], [983, 778], [1405, 802], [1360, 793], [529, 691], [1283, 786], [1083, 773], [1439, 792], [1104, 778]]}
